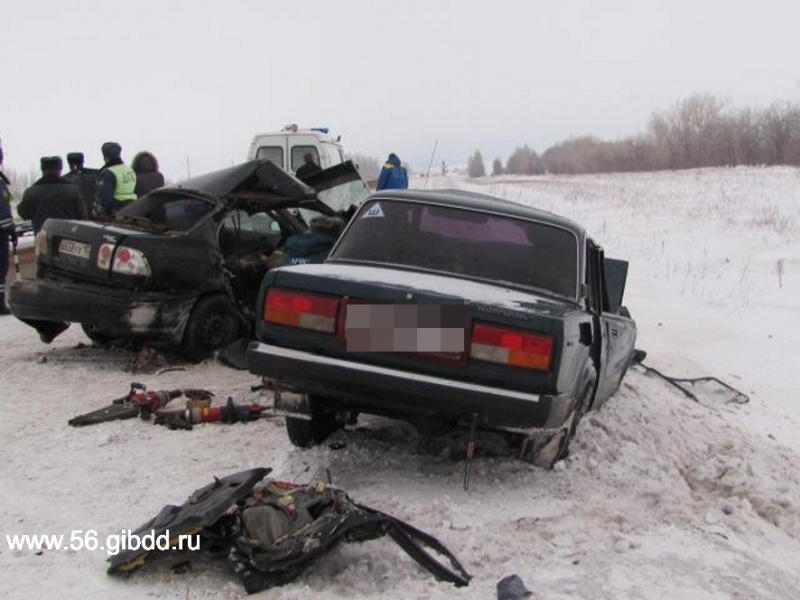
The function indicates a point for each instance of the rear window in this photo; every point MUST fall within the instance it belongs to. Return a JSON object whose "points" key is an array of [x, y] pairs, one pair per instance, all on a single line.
{"points": [[469, 243], [299, 153], [168, 211], [273, 153]]}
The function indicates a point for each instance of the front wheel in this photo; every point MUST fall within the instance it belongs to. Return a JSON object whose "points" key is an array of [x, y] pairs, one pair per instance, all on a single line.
{"points": [[213, 323]]}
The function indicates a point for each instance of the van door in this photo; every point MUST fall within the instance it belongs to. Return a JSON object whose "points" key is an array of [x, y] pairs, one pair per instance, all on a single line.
{"points": [[273, 148]]}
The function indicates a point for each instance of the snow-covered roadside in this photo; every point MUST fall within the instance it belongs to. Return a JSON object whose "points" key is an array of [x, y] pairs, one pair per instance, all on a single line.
{"points": [[660, 497]]}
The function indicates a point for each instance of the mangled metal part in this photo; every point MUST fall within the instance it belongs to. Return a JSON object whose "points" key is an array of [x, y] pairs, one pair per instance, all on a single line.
{"points": [[274, 530]]}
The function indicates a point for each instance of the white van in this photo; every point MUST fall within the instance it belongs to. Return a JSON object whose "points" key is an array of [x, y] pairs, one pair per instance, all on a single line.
{"points": [[287, 147]]}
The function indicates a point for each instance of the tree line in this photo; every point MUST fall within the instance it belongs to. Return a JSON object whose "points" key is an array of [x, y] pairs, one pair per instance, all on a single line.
{"points": [[699, 131]]}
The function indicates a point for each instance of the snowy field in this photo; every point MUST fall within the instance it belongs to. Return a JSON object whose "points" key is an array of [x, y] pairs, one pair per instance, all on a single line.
{"points": [[661, 496]]}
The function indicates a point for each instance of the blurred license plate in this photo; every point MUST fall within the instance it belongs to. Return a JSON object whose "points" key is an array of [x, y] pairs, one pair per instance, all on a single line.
{"points": [[425, 328], [74, 248]]}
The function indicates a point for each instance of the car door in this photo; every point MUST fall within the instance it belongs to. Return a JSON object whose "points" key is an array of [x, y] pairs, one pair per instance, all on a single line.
{"points": [[617, 330]]}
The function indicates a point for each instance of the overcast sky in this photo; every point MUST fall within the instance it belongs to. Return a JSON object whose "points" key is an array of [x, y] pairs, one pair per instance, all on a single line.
{"points": [[197, 78]]}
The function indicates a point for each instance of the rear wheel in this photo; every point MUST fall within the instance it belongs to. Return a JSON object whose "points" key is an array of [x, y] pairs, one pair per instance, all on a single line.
{"points": [[305, 433], [97, 335], [546, 447], [213, 323]]}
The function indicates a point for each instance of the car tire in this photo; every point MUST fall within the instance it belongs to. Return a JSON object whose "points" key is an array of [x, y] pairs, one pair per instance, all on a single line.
{"points": [[305, 433], [98, 336], [213, 323]]}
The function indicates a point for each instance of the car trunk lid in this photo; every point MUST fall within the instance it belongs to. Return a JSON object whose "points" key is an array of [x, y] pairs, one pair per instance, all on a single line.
{"points": [[424, 322]]}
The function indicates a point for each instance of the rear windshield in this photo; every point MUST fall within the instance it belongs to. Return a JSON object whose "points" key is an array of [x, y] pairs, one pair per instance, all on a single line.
{"points": [[177, 212], [468, 243]]}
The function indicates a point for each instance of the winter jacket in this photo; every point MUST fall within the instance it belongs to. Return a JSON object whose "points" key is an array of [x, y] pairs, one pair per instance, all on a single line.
{"points": [[86, 181], [113, 194], [148, 177], [306, 248], [6, 216], [306, 170], [51, 197], [393, 175]]}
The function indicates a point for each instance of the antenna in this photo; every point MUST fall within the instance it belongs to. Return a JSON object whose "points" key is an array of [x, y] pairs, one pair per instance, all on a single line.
{"points": [[428, 174]]}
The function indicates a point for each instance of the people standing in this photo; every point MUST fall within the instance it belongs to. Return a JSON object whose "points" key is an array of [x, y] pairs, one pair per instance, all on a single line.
{"points": [[51, 196], [7, 233], [148, 177], [309, 167], [393, 175], [84, 178], [116, 181]]}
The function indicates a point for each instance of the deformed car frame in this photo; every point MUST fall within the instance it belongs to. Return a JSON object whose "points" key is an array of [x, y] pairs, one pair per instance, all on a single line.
{"points": [[449, 307], [181, 265]]}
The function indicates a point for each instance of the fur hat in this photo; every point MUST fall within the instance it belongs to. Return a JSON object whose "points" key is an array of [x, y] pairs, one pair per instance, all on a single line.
{"points": [[51, 163]]}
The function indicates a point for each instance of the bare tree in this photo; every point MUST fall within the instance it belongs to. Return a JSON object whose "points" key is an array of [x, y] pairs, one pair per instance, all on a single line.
{"points": [[524, 161]]}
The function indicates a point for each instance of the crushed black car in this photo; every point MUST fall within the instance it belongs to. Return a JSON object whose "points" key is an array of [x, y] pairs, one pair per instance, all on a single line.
{"points": [[449, 308], [181, 265]]}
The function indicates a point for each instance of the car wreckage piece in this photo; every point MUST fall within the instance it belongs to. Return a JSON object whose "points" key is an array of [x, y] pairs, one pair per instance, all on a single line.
{"points": [[273, 530]]}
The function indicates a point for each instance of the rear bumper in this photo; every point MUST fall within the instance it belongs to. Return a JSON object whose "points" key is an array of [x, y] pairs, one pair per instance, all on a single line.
{"points": [[118, 312], [398, 393]]}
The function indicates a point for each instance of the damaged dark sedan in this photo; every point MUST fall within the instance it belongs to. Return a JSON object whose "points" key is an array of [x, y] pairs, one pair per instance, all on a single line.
{"points": [[446, 309], [181, 265]]}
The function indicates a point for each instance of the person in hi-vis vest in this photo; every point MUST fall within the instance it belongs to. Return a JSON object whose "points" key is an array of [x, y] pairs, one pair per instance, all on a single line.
{"points": [[116, 181]]}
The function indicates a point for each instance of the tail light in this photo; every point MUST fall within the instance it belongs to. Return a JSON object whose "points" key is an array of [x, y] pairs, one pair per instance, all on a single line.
{"points": [[124, 260], [511, 347], [299, 309]]}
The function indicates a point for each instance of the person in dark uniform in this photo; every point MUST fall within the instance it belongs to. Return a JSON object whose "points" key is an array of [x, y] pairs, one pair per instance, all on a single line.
{"points": [[116, 181], [315, 245], [148, 177], [309, 167], [51, 196], [7, 233], [83, 177]]}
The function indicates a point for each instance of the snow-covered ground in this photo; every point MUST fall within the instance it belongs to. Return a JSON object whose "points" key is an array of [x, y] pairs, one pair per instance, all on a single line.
{"points": [[661, 497]]}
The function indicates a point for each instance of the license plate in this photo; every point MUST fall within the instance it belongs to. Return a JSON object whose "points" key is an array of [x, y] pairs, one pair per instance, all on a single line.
{"points": [[73, 248], [413, 328]]}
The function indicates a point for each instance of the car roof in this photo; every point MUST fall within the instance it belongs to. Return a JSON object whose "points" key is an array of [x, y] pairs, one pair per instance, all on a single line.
{"points": [[481, 202], [251, 176]]}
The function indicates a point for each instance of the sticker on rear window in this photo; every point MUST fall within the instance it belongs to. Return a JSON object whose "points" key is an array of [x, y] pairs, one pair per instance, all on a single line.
{"points": [[374, 211]]}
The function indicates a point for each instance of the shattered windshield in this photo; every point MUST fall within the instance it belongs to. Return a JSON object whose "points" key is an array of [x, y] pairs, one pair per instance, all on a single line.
{"points": [[469, 243], [173, 211]]}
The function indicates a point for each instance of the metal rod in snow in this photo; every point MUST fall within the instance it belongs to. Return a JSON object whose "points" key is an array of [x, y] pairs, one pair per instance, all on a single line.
{"points": [[430, 164]]}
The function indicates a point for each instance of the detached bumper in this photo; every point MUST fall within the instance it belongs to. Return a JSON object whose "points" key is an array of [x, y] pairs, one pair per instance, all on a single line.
{"points": [[397, 393], [118, 312]]}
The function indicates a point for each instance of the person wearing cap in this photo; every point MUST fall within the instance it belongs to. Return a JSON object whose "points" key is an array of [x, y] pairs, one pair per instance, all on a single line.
{"points": [[51, 196], [314, 245], [393, 175], [309, 167], [84, 178], [7, 233], [116, 181]]}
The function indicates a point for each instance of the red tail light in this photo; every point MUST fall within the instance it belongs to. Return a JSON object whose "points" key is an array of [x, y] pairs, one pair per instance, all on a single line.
{"points": [[300, 309], [511, 347]]}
